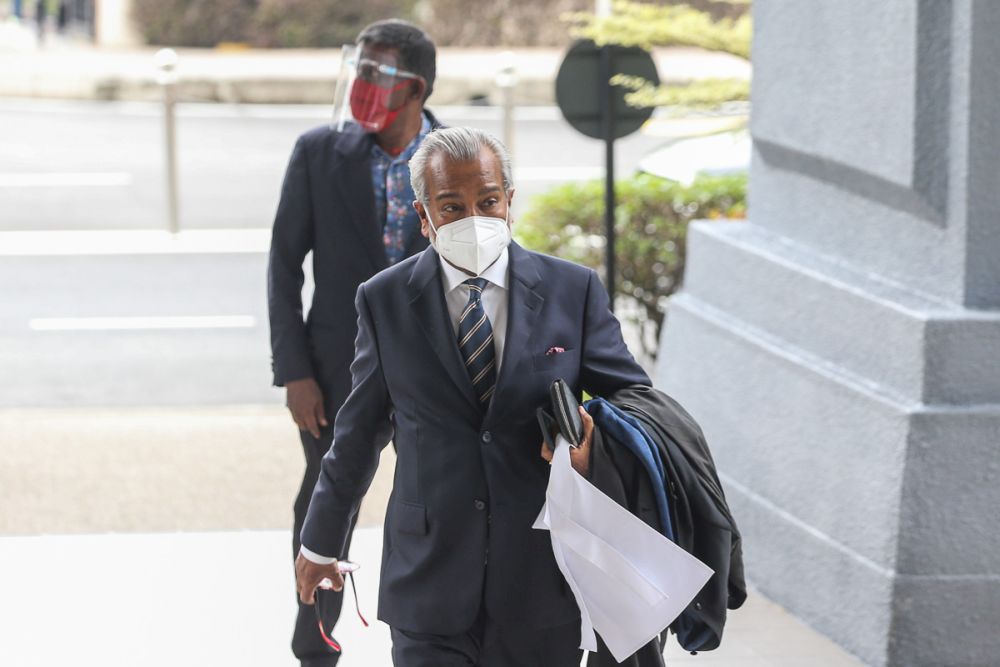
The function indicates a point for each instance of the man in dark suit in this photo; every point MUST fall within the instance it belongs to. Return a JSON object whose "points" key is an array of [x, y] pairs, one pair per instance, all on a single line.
{"points": [[347, 199], [456, 348]]}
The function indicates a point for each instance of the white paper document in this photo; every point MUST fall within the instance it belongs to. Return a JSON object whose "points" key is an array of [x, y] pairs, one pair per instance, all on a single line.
{"points": [[629, 581]]}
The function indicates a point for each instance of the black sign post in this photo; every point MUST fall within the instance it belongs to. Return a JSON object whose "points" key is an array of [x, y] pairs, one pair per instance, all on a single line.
{"points": [[608, 132], [598, 110]]}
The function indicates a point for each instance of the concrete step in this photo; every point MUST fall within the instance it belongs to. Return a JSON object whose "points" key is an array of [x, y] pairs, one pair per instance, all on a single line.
{"points": [[904, 345]]}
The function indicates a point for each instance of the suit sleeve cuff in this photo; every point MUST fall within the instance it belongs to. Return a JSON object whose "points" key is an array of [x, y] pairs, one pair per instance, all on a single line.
{"points": [[295, 368], [315, 557]]}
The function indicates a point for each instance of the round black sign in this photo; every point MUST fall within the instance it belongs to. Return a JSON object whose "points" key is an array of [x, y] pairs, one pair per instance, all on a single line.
{"points": [[580, 87]]}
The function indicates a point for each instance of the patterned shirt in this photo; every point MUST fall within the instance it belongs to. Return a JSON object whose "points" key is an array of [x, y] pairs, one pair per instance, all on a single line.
{"points": [[394, 196]]}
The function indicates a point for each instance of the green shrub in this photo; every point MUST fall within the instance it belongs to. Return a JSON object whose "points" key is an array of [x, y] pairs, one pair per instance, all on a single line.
{"points": [[330, 23], [266, 23], [508, 23], [320, 23], [194, 22], [651, 221]]}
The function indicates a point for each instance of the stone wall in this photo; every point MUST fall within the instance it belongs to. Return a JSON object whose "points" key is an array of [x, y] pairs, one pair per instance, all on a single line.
{"points": [[842, 348]]}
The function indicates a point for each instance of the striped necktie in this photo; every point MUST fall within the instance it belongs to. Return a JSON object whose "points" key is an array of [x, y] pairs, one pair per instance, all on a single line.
{"points": [[475, 340]]}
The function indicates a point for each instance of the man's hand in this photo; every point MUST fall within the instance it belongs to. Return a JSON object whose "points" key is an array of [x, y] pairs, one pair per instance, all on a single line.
{"points": [[305, 402], [308, 575], [578, 456]]}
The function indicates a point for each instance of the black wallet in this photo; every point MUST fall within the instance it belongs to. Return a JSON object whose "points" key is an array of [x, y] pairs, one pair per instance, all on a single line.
{"points": [[564, 417]]}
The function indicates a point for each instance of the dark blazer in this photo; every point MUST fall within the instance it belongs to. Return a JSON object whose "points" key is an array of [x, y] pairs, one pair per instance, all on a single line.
{"points": [[327, 206], [467, 486]]}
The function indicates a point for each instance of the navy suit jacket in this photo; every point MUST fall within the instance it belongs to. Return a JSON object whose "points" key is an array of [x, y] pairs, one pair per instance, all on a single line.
{"points": [[327, 206], [468, 485]]}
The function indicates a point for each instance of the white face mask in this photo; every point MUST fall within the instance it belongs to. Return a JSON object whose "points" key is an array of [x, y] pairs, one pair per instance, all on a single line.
{"points": [[472, 243]]}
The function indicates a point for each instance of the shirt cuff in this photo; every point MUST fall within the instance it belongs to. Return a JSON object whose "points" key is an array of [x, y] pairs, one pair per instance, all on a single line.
{"points": [[315, 557]]}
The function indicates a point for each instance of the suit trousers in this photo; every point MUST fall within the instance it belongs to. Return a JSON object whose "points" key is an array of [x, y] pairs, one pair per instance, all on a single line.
{"points": [[489, 644], [307, 645]]}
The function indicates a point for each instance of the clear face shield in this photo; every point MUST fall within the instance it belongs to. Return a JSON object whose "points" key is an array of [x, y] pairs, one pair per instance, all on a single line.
{"points": [[368, 88]]}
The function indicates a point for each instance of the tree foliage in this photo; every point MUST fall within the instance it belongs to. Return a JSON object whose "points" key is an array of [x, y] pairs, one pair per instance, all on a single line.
{"points": [[648, 25], [704, 93]]}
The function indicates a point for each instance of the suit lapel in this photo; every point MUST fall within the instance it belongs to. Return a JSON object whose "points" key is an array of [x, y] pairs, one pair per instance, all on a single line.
{"points": [[427, 302], [524, 305], [353, 176]]}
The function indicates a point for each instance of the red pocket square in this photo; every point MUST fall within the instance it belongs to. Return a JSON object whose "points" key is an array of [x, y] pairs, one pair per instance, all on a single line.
{"points": [[555, 350]]}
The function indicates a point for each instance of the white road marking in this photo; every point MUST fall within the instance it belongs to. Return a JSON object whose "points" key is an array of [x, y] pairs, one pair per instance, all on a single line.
{"points": [[142, 323], [66, 179], [133, 242]]}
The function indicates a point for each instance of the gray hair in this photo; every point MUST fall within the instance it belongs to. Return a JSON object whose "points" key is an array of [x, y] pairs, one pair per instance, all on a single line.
{"points": [[457, 143]]}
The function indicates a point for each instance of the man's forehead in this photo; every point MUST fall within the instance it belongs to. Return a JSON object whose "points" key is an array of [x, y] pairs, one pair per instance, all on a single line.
{"points": [[485, 163], [382, 53], [454, 179]]}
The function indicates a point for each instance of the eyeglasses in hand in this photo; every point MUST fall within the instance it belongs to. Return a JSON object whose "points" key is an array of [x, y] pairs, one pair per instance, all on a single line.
{"points": [[346, 568]]}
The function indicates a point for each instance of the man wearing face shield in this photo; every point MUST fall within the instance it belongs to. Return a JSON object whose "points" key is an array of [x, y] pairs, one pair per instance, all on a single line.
{"points": [[346, 198], [456, 348]]}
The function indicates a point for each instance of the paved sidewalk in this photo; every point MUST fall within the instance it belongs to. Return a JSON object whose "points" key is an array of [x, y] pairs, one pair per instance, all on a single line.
{"points": [[210, 468], [100, 592], [218, 593], [221, 599], [67, 69]]}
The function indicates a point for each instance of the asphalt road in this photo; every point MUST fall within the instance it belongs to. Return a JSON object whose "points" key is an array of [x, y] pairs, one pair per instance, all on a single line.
{"points": [[185, 328], [92, 165]]}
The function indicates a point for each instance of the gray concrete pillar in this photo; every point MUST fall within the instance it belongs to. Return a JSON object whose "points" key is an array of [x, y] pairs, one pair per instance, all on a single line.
{"points": [[842, 347]]}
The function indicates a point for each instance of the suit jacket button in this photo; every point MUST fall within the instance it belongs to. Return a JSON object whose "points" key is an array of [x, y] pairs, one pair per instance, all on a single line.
{"points": [[480, 505], [487, 437]]}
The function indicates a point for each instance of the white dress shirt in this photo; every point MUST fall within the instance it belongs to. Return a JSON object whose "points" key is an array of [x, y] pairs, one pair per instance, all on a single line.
{"points": [[456, 298]]}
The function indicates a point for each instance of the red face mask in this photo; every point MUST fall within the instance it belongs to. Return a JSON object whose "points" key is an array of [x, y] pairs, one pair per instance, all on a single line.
{"points": [[370, 105]]}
